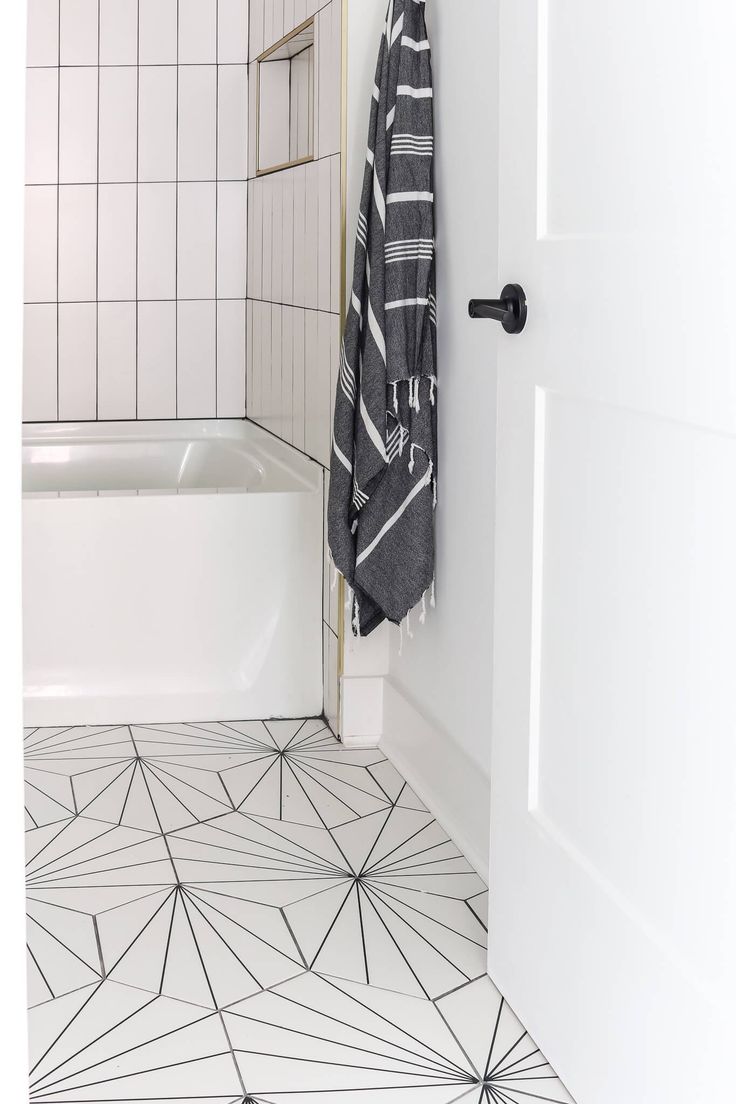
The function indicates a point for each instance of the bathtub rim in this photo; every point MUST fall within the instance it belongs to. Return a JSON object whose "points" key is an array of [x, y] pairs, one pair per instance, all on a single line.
{"points": [[264, 446]]}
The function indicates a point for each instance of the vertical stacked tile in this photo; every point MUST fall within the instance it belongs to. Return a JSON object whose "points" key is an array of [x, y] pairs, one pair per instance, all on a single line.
{"points": [[295, 269], [136, 209]]}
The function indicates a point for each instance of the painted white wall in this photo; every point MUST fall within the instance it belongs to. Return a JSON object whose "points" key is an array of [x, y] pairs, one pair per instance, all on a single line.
{"points": [[446, 670], [436, 702]]}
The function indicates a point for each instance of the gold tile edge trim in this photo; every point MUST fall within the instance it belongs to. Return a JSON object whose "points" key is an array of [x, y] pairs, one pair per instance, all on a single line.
{"points": [[343, 304]]}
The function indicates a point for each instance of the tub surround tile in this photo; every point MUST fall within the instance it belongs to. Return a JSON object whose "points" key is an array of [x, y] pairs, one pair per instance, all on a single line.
{"points": [[77, 243], [118, 133], [157, 123], [232, 234], [43, 32], [78, 103], [41, 244], [197, 32], [118, 32], [157, 360], [158, 32], [79, 39], [117, 216], [137, 194], [157, 241], [232, 122], [116, 367], [232, 45], [39, 376], [249, 911], [42, 126], [197, 122], [196, 385], [231, 353], [196, 240], [77, 362]]}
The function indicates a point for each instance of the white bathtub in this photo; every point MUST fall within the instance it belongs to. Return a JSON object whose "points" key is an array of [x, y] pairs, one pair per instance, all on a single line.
{"points": [[172, 571]]}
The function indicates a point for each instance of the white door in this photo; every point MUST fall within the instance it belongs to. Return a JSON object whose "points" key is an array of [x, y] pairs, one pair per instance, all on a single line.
{"points": [[613, 842]]}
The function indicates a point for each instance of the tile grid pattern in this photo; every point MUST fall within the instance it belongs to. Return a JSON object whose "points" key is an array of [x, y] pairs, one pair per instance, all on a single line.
{"points": [[136, 209], [295, 270], [247, 912]]}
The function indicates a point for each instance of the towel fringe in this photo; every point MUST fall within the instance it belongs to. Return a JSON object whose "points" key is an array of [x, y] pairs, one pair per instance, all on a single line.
{"points": [[423, 614], [432, 599], [401, 637], [356, 617]]}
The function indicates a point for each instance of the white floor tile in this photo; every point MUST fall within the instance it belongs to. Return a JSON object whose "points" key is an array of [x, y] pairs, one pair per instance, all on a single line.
{"points": [[247, 911]]}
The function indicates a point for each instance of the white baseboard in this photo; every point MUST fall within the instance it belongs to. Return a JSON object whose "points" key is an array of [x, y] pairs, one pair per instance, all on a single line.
{"points": [[449, 783], [361, 711]]}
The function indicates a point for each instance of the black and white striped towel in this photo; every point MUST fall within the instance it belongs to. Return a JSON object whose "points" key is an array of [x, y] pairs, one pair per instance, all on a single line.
{"points": [[384, 462]]}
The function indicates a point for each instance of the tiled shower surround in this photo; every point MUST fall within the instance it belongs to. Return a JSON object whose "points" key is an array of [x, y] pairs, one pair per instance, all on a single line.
{"points": [[295, 270], [136, 209], [248, 913]]}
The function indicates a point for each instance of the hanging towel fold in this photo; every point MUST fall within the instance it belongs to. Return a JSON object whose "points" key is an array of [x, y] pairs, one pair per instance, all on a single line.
{"points": [[384, 456]]}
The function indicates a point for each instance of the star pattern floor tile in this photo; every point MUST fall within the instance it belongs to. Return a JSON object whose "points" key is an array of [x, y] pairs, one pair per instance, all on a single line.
{"points": [[248, 912]]}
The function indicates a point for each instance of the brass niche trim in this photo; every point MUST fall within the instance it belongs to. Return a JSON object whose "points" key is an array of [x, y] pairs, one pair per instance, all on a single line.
{"points": [[311, 22]]}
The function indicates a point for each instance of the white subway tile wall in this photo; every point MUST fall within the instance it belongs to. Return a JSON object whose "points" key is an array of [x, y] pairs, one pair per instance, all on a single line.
{"points": [[294, 265], [136, 173]]}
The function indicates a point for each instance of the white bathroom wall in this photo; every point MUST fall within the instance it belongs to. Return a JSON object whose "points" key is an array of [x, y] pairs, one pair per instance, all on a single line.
{"points": [[136, 170], [438, 703], [295, 270]]}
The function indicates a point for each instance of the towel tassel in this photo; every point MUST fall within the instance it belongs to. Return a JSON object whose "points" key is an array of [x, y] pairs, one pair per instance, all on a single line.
{"points": [[431, 599], [409, 633], [356, 617], [395, 387], [432, 384], [423, 614], [401, 637]]}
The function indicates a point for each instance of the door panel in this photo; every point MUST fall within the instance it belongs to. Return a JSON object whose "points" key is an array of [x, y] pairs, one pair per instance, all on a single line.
{"points": [[613, 843]]}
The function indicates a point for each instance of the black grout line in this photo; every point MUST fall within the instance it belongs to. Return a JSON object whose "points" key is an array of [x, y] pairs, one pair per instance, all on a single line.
{"points": [[149, 65], [128, 183], [92, 302]]}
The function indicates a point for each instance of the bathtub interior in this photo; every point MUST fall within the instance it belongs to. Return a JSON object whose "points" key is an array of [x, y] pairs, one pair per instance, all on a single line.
{"points": [[231, 456]]}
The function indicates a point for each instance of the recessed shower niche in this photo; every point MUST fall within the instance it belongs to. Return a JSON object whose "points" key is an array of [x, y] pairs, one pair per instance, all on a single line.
{"points": [[285, 89]]}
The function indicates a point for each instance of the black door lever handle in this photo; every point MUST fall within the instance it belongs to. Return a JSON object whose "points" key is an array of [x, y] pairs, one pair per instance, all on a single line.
{"points": [[509, 310]]}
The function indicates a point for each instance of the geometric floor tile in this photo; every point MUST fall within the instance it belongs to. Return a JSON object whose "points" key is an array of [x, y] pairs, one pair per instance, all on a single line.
{"points": [[112, 1042], [54, 756], [112, 907], [285, 770], [319, 1040], [380, 900], [248, 913]]}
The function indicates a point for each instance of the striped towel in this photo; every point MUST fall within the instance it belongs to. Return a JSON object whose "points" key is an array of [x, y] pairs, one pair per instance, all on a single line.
{"points": [[384, 462]]}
